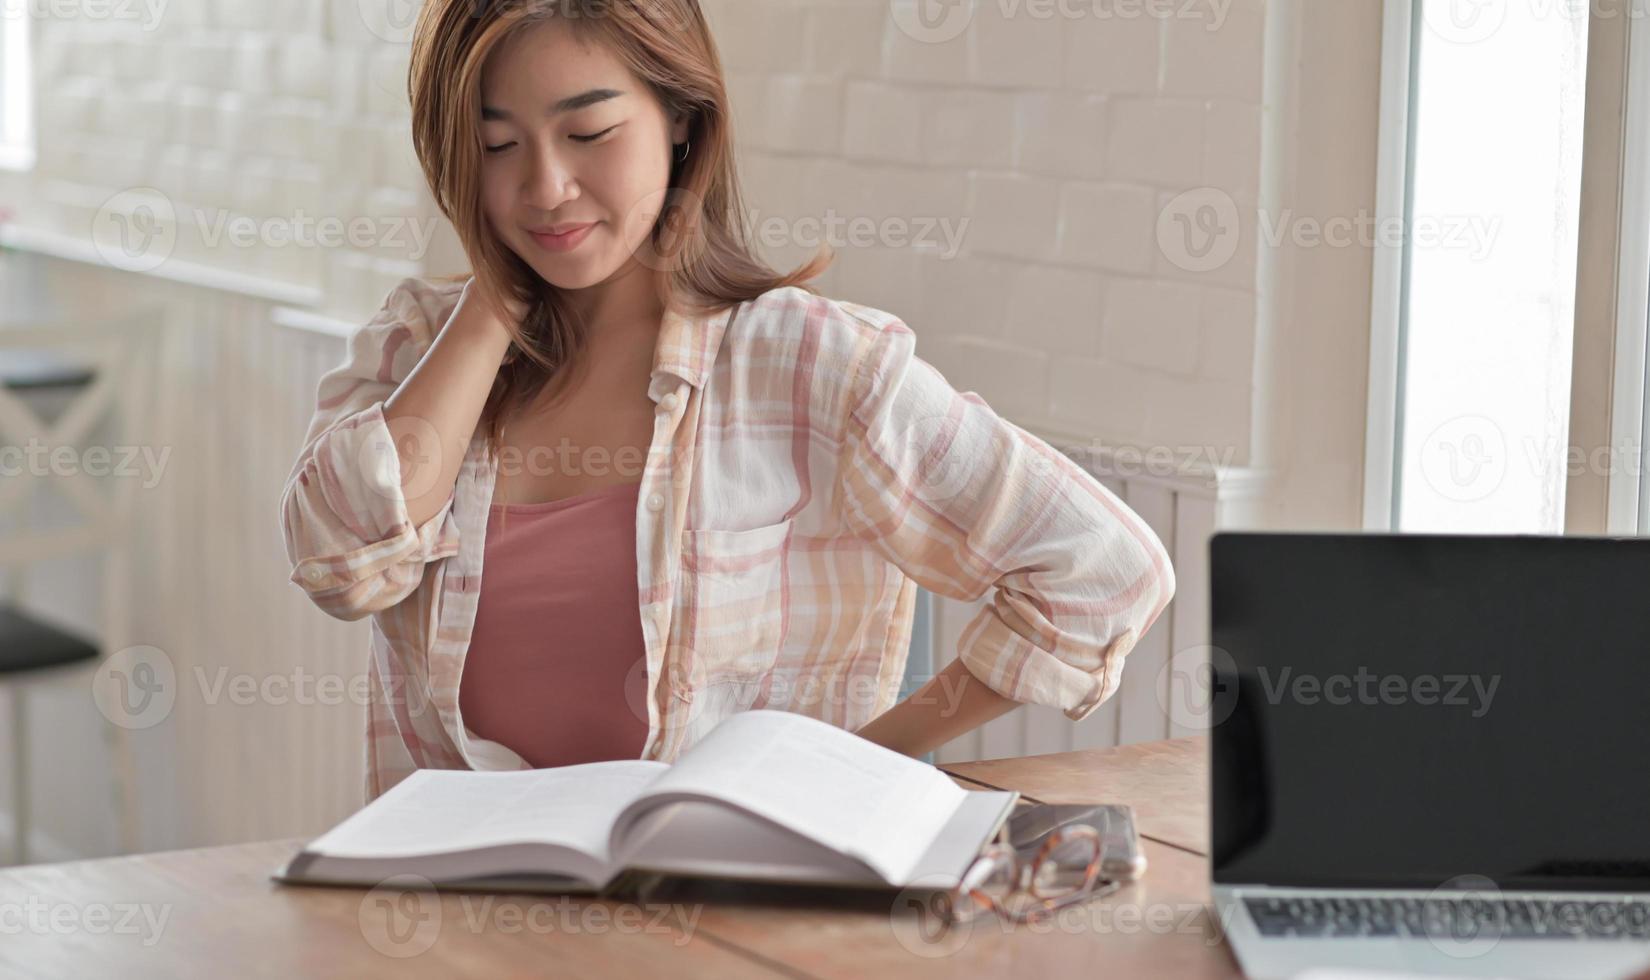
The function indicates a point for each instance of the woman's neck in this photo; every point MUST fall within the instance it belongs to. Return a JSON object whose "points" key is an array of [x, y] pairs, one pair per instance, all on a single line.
{"points": [[619, 307]]}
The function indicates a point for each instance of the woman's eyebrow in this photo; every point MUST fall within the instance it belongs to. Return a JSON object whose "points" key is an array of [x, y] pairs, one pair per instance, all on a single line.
{"points": [[569, 104]]}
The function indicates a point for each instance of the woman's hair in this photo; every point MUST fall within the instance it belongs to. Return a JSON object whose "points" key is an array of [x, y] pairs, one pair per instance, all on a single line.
{"points": [[704, 262]]}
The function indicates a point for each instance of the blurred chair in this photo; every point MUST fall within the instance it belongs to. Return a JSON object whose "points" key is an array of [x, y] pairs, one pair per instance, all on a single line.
{"points": [[65, 384]]}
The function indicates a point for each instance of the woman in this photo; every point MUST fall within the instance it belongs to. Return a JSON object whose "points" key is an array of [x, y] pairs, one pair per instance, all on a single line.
{"points": [[696, 486]]}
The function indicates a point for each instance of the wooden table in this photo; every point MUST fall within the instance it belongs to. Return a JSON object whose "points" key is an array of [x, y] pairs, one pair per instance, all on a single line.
{"points": [[214, 911]]}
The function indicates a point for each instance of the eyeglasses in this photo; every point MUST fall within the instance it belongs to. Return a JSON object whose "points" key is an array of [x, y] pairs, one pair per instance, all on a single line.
{"points": [[1062, 870]]}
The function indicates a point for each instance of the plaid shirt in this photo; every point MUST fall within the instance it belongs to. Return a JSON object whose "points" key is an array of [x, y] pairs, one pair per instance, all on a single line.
{"points": [[807, 472]]}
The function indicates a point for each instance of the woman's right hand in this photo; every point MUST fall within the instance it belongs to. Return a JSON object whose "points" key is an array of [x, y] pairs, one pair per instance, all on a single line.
{"points": [[476, 311]]}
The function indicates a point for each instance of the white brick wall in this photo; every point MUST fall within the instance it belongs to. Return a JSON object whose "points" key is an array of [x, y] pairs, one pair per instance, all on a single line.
{"points": [[1059, 139], [234, 110], [1056, 132]]}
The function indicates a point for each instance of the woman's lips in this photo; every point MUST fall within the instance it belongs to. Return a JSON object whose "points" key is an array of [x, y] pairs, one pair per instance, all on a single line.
{"points": [[563, 243]]}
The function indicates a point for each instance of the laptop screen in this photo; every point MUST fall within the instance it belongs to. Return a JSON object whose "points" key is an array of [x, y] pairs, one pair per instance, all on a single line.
{"points": [[1402, 710]]}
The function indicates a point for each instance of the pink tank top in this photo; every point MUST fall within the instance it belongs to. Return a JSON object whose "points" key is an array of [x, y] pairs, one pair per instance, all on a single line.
{"points": [[558, 631]]}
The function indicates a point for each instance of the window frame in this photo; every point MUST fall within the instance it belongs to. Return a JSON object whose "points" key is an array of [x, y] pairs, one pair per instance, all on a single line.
{"points": [[1608, 406], [17, 134], [1389, 290]]}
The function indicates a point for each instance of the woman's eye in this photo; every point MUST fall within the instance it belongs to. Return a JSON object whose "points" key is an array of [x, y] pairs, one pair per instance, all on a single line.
{"points": [[594, 136], [591, 138]]}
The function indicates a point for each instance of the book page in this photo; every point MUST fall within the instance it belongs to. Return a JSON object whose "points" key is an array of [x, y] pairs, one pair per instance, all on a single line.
{"points": [[818, 780], [437, 811]]}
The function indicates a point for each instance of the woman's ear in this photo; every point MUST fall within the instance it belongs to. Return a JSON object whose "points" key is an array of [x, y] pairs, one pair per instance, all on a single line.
{"points": [[679, 128]]}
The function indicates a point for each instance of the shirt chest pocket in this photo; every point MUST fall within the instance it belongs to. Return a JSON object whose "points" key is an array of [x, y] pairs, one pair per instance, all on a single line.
{"points": [[736, 610]]}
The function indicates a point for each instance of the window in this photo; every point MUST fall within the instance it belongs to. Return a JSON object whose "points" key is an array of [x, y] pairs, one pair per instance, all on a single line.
{"points": [[16, 91], [1475, 389]]}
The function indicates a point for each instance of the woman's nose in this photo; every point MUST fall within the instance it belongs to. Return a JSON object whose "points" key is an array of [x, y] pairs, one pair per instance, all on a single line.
{"points": [[549, 182]]}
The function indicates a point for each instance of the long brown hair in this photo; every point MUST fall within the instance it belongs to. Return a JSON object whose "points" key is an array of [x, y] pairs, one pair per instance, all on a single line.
{"points": [[706, 264]]}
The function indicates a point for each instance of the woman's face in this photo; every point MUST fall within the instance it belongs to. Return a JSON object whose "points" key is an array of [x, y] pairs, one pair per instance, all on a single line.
{"points": [[601, 160]]}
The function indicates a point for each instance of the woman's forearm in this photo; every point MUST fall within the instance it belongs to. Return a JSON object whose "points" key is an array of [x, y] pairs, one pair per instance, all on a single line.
{"points": [[433, 414], [953, 702]]}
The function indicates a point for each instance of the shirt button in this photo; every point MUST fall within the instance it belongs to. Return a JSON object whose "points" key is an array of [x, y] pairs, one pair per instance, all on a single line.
{"points": [[655, 502], [316, 573], [668, 403]]}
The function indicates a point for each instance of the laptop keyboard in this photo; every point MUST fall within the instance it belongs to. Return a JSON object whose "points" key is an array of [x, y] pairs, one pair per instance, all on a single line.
{"points": [[1466, 917]]}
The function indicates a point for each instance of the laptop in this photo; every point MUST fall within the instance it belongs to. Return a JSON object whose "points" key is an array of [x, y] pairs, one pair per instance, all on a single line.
{"points": [[1430, 753]]}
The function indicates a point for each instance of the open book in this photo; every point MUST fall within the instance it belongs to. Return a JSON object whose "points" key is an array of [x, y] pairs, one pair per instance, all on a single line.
{"points": [[765, 796]]}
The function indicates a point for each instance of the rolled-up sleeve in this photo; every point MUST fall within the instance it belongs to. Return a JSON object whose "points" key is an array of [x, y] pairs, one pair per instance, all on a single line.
{"points": [[352, 544], [963, 500]]}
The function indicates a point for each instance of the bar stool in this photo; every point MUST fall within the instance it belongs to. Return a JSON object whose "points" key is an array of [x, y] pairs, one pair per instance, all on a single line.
{"points": [[92, 375]]}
